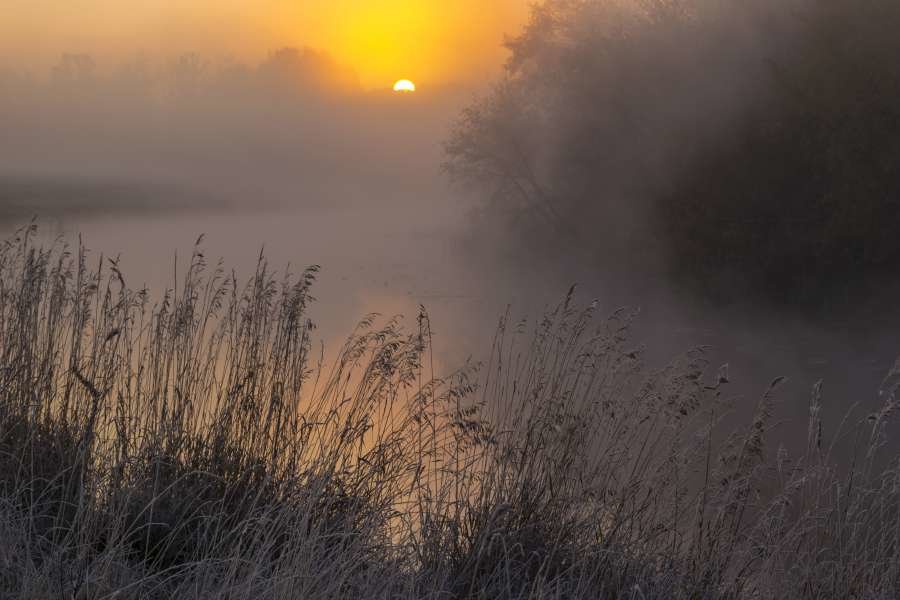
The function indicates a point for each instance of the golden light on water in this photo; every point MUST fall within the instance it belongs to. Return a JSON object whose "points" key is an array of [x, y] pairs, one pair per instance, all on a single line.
{"points": [[404, 86]]}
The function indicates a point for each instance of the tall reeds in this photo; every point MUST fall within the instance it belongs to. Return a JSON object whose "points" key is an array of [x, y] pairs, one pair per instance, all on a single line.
{"points": [[194, 444]]}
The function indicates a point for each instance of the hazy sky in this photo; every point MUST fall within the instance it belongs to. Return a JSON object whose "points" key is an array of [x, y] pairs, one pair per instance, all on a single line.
{"points": [[430, 41]]}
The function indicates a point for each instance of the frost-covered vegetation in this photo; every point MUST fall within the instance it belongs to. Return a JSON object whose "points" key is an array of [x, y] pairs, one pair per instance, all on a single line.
{"points": [[196, 446]]}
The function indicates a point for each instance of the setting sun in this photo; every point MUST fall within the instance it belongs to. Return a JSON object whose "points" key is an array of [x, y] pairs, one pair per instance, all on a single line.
{"points": [[404, 86]]}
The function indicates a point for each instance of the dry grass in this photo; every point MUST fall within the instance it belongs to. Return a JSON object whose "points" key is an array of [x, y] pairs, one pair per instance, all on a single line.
{"points": [[195, 447]]}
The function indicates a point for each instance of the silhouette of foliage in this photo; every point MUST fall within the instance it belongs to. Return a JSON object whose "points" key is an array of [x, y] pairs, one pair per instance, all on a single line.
{"points": [[752, 149]]}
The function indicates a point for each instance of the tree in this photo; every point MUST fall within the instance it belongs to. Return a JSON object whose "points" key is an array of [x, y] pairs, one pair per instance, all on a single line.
{"points": [[751, 147], [307, 69], [74, 69]]}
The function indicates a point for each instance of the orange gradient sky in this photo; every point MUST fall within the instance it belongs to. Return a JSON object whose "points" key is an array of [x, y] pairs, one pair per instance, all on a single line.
{"points": [[428, 41]]}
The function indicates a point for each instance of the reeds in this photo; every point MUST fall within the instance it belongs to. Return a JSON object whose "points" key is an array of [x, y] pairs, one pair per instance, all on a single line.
{"points": [[195, 446]]}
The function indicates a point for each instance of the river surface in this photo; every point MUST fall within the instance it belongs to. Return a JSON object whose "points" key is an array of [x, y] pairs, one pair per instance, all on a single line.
{"points": [[358, 190]]}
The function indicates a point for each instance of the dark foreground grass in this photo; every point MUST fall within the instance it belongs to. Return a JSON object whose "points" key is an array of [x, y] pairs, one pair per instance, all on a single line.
{"points": [[196, 447]]}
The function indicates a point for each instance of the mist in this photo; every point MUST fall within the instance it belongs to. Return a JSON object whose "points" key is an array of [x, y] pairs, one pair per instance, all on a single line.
{"points": [[698, 160], [296, 129], [290, 155], [251, 288], [604, 110]]}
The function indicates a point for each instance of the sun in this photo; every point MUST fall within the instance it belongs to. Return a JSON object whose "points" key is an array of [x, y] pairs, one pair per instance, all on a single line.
{"points": [[404, 86]]}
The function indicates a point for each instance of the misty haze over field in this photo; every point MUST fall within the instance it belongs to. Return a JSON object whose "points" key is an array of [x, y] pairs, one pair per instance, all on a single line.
{"points": [[292, 153]]}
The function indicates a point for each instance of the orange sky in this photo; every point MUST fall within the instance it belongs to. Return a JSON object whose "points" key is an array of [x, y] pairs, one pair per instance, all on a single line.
{"points": [[429, 41]]}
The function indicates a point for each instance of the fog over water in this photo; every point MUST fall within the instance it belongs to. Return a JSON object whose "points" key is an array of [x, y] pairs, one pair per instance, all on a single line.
{"points": [[290, 156]]}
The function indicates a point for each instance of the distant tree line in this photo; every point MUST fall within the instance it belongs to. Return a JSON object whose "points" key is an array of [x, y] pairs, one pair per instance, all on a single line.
{"points": [[289, 70]]}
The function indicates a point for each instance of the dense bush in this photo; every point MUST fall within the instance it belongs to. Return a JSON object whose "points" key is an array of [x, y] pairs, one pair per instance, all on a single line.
{"points": [[750, 148]]}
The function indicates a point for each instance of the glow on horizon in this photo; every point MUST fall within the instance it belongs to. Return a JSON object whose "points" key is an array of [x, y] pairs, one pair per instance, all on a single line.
{"points": [[442, 41]]}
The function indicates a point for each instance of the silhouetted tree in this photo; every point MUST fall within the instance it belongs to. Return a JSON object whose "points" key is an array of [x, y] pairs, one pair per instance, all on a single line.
{"points": [[306, 69], [74, 68], [187, 73], [751, 147]]}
